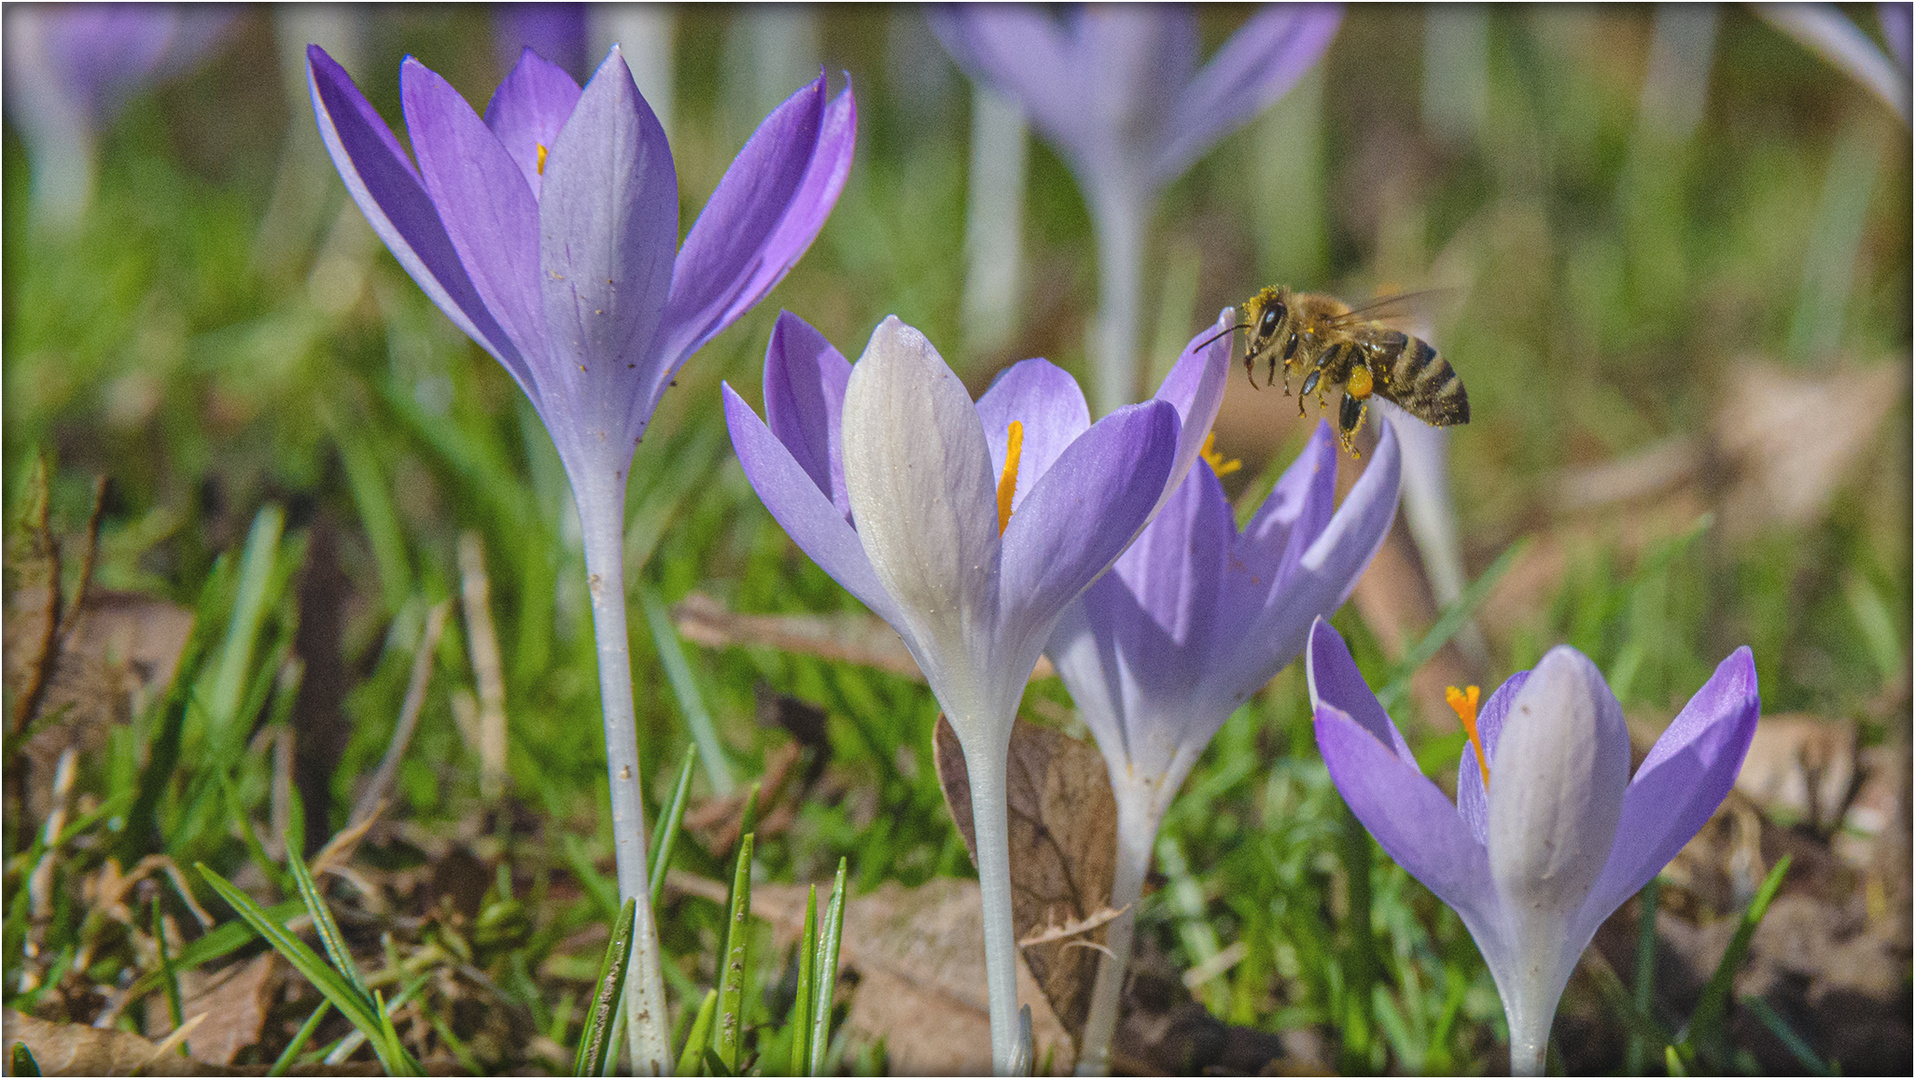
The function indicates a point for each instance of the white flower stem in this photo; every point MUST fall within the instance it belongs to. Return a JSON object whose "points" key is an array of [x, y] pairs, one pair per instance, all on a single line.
{"points": [[985, 771], [1138, 822], [1118, 214], [1529, 1039], [602, 521]]}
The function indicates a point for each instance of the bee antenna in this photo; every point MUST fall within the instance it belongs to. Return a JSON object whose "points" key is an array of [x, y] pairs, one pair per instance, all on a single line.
{"points": [[1221, 333]]}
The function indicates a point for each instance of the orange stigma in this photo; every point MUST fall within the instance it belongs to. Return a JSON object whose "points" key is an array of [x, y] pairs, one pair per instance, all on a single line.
{"points": [[542, 158], [1215, 459], [1465, 704], [1008, 480]]}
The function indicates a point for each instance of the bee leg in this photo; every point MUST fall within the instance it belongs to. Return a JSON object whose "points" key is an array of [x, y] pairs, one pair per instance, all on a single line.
{"points": [[1310, 384], [1350, 419], [1249, 371]]}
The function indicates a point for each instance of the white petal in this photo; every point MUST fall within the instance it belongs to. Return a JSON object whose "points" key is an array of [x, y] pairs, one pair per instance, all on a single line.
{"points": [[918, 476], [1556, 793]]}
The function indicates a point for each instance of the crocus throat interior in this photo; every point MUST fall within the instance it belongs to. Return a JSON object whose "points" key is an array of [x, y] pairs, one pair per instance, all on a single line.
{"points": [[542, 158], [1465, 703], [1215, 458], [1008, 481]]}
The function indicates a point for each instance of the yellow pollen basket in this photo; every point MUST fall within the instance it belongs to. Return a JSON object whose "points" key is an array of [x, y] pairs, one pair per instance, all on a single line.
{"points": [[1465, 704], [542, 158], [1359, 383], [1008, 480], [1215, 459]]}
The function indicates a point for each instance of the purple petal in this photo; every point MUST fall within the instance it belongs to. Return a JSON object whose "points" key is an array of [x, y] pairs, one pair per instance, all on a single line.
{"points": [[1022, 53], [528, 109], [1409, 816], [1251, 71], [1195, 387], [1277, 619], [1473, 802], [555, 32], [1136, 58], [1335, 682], [388, 191], [1046, 401], [1681, 783], [1894, 19], [1084, 511], [1291, 517], [607, 223], [801, 509], [804, 399], [484, 203], [764, 214]]}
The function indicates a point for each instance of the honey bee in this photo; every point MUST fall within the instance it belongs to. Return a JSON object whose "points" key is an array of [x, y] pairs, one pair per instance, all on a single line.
{"points": [[1332, 344]]}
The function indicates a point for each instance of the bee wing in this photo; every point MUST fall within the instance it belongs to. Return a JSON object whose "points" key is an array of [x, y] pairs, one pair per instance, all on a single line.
{"points": [[1394, 305]]}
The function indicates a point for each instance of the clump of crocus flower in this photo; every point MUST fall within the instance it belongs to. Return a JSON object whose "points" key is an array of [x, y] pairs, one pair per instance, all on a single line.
{"points": [[1550, 832], [1118, 91], [969, 527], [548, 231], [1188, 624]]}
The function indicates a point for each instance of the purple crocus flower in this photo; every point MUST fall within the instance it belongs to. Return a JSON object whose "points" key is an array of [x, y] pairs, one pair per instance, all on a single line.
{"points": [[1550, 833], [1117, 90], [968, 527], [1189, 623], [547, 231], [71, 67]]}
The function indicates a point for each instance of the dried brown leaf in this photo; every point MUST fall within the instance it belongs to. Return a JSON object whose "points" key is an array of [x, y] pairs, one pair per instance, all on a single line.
{"points": [[1063, 838], [83, 1050], [236, 1002]]}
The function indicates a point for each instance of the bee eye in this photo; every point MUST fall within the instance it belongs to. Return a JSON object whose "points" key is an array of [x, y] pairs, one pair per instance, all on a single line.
{"points": [[1272, 315]]}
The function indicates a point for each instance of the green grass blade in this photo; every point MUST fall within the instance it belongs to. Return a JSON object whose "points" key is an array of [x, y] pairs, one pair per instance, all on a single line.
{"points": [[801, 1023], [595, 1042], [392, 1053], [1706, 1030], [344, 995], [1447, 625], [1643, 989], [825, 969], [169, 978], [300, 1039], [1798, 1046], [694, 1051], [668, 834], [731, 988], [143, 831], [685, 688], [23, 1063], [218, 942], [323, 923], [249, 610]]}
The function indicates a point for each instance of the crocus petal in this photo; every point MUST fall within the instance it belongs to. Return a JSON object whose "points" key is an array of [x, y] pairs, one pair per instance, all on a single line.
{"points": [[1335, 681], [1409, 816], [804, 398], [1253, 69], [1045, 401], [388, 191], [801, 509], [1025, 54], [1473, 801], [1292, 516], [1195, 386], [528, 109], [922, 494], [764, 214], [608, 218], [1083, 513], [1143, 55], [1681, 783], [484, 202], [1556, 791], [1318, 585]]}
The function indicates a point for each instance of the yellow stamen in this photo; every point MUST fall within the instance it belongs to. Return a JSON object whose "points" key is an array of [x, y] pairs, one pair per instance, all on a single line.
{"points": [[1008, 482], [1215, 459], [542, 158], [1465, 703]]}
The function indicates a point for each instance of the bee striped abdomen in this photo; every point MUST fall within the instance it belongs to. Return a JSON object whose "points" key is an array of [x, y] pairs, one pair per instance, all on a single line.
{"points": [[1425, 384]]}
